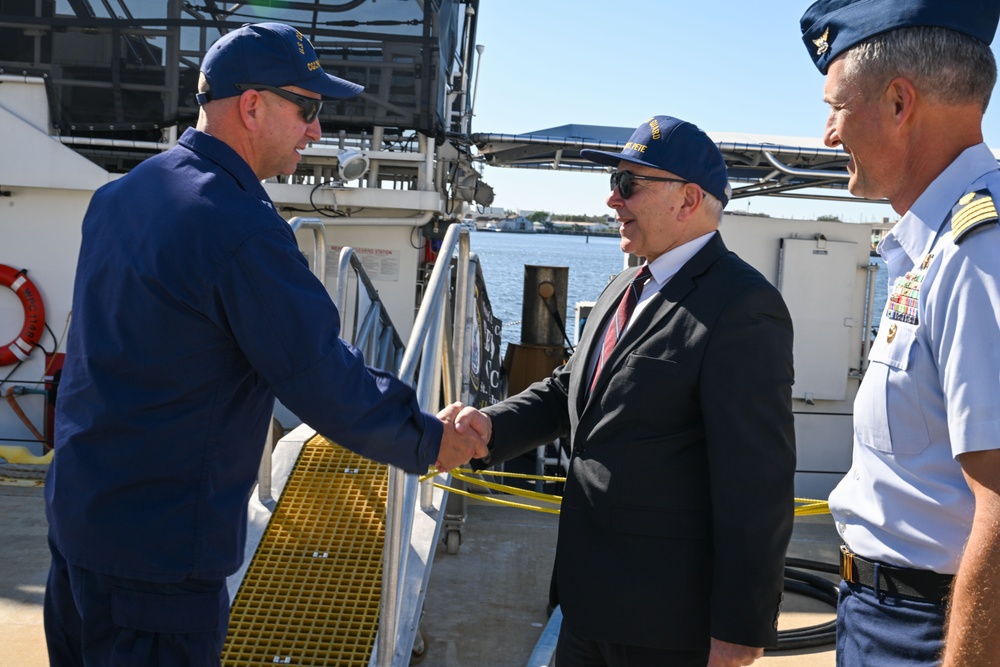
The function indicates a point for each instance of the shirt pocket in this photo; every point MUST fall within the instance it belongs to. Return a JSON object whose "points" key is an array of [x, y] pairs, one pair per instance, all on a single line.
{"points": [[887, 411]]}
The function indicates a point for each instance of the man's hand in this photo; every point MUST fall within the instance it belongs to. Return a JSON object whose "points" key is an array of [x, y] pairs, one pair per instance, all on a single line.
{"points": [[724, 654], [471, 418], [460, 443]]}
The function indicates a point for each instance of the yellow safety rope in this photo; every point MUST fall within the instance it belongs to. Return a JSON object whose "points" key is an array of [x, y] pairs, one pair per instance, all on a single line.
{"points": [[804, 506], [499, 501]]}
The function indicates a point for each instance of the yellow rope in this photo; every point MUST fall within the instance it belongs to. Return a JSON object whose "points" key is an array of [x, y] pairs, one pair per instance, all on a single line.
{"points": [[810, 507], [804, 506], [498, 501], [18, 454], [512, 490], [495, 473]]}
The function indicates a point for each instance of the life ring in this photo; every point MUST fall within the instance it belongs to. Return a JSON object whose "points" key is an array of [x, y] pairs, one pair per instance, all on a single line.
{"points": [[34, 315]]}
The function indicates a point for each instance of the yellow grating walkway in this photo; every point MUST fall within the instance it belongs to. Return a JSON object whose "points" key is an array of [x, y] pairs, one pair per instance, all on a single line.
{"points": [[311, 593]]}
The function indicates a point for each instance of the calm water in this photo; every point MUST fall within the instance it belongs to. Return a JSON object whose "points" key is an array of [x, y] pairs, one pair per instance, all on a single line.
{"points": [[592, 262]]}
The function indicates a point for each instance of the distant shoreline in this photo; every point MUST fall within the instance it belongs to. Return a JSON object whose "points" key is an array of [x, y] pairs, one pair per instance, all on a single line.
{"points": [[557, 232]]}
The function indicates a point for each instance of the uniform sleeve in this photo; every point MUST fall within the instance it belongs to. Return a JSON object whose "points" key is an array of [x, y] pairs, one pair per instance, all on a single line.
{"points": [[964, 316], [747, 406], [288, 327]]}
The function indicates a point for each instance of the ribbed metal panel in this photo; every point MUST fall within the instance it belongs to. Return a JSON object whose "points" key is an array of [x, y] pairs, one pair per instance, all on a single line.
{"points": [[311, 593]]}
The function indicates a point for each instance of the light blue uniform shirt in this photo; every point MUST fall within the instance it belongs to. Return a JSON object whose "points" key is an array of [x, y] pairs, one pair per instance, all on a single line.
{"points": [[932, 389]]}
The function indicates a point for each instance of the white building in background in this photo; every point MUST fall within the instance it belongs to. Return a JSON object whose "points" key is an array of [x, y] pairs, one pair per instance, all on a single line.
{"points": [[491, 212], [519, 224]]}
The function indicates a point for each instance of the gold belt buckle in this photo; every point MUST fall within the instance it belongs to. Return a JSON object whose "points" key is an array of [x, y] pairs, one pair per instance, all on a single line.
{"points": [[846, 564]]}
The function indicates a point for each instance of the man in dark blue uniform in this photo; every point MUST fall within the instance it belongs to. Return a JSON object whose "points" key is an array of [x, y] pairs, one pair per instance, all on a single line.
{"points": [[192, 309], [908, 82]]}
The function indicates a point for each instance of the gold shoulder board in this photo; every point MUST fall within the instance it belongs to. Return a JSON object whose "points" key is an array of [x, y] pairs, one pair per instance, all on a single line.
{"points": [[975, 210]]}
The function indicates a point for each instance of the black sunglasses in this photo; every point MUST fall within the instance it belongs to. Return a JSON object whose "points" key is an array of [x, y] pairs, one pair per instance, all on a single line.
{"points": [[310, 106], [623, 181]]}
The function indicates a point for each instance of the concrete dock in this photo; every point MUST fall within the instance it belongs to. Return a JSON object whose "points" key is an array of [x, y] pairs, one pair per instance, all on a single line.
{"points": [[485, 607], [24, 566]]}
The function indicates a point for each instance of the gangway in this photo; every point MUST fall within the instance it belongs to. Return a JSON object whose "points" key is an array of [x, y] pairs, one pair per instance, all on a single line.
{"points": [[340, 562]]}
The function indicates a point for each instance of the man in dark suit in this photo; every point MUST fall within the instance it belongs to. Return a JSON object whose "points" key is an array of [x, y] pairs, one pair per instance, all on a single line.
{"points": [[678, 503]]}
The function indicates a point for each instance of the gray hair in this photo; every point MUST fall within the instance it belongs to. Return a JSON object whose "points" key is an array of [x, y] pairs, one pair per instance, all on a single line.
{"points": [[712, 206], [947, 66]]}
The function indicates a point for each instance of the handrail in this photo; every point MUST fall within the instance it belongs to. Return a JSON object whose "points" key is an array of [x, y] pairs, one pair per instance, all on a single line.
{"points": [[426, 348], [438, 351], [319, 242], [373, 332]]}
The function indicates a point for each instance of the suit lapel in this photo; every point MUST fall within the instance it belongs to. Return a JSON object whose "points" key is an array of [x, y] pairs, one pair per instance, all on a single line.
{"points": [[604, 308], [654, 315]]}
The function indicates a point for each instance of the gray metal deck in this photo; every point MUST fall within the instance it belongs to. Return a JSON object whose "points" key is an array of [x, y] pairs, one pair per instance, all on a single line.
{"points": [[486, 606]]}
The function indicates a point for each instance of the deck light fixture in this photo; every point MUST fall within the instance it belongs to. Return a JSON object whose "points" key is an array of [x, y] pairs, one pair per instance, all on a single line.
{"points": [[352, 164]]}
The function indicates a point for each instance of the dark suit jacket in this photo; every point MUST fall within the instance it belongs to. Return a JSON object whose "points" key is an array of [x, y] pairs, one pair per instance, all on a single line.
{"points": [[678, 506]]}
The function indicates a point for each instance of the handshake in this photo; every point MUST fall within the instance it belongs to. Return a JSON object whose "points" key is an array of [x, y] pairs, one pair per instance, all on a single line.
{"points": [[467, 432]]}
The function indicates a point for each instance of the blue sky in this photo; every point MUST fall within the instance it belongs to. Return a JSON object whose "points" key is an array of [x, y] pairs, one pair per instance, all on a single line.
{"points": [[725, 65]]}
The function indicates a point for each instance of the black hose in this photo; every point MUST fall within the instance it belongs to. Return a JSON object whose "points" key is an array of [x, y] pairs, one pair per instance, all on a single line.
{"points": [[818, 588], [812, 565]]}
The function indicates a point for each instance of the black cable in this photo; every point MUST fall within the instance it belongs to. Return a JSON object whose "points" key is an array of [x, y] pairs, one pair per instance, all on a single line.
{"points": [[449, 205], [818, 588], [44, 351], [336, 213], [53, 334], [812, 565], [7, 379]]}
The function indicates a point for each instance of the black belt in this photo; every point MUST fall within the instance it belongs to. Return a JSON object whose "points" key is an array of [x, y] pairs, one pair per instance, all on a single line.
{"points": [[922, 584]]}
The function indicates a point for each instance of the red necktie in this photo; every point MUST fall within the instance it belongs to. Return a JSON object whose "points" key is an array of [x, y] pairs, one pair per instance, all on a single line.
{"points": [[625, 308]]}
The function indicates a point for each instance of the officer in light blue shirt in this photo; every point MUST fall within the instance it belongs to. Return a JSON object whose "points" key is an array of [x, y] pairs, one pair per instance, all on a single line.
{"points": [[908, 82]]}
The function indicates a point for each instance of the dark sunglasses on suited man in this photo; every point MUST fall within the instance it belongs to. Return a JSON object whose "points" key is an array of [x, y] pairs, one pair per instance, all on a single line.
{"points": [[623, 180], [310, 106]]}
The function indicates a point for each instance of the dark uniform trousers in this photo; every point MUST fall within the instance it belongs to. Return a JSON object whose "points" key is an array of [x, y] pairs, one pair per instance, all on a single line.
{"points": [[97, 620]]}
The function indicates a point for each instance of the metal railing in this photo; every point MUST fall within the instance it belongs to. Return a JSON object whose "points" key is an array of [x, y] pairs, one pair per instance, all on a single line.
{"points": [[438, 351], [319, 243], [372, 332], [436, 362]]}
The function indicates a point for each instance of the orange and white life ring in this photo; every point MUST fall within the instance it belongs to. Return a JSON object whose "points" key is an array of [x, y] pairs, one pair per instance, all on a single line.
{"points": [[34, 315]]}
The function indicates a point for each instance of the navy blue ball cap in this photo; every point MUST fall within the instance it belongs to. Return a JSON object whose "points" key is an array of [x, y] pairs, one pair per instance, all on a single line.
{"points": [[677, 146], [830, 27], [272, 54]]}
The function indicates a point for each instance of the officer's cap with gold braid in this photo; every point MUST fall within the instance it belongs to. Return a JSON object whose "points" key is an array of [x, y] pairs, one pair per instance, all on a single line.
{"points": [[974, 211], [272, 54], [830, 27]]}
